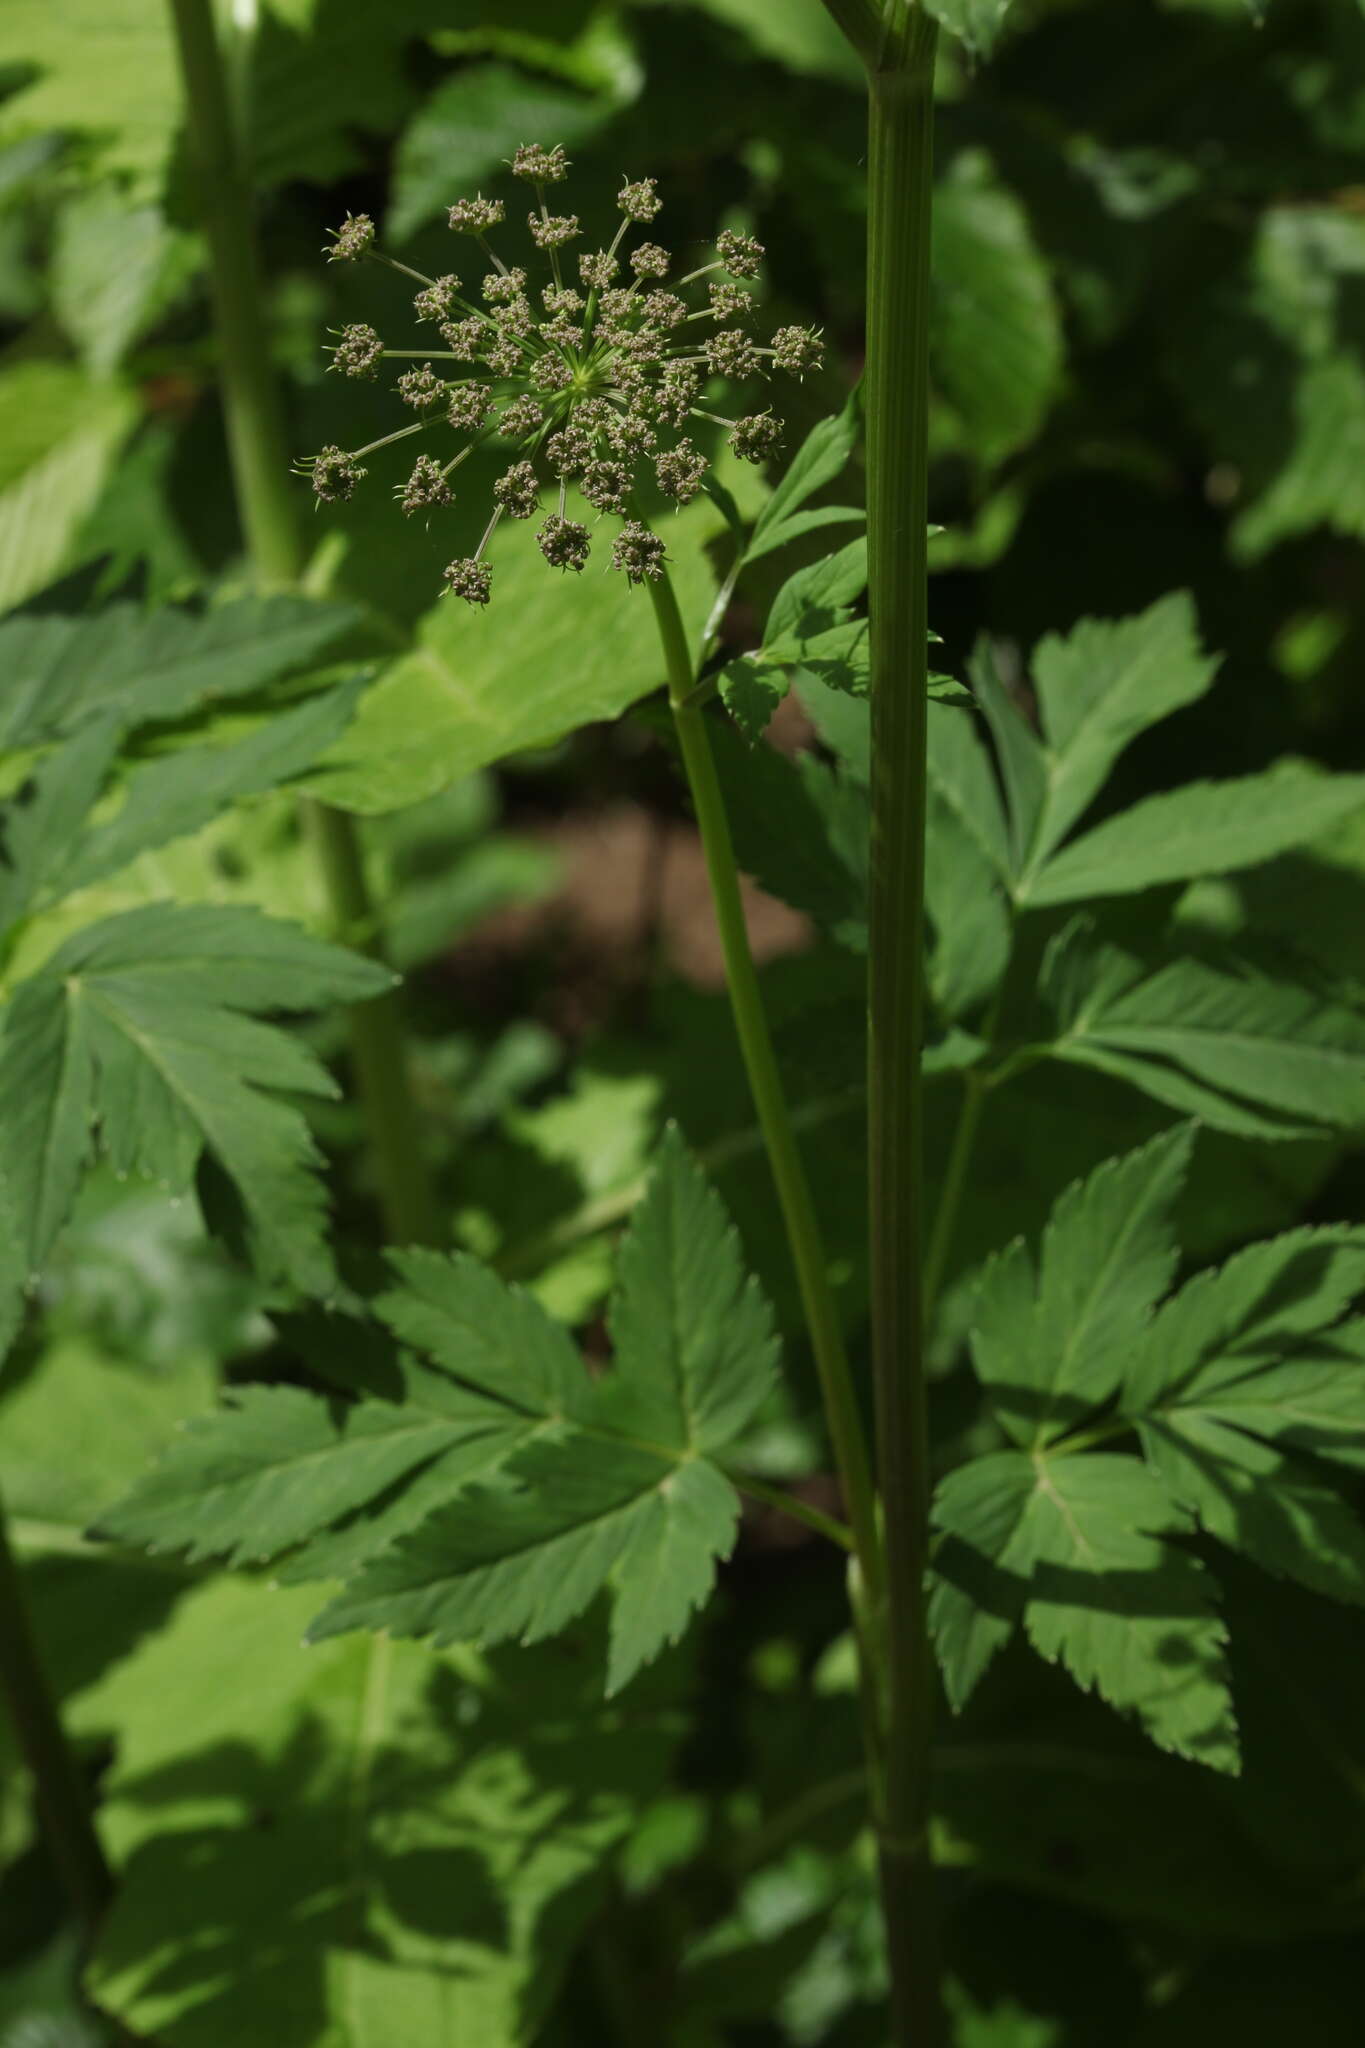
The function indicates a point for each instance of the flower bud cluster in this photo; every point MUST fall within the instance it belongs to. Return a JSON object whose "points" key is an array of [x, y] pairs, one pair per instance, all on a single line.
{"points": [[593, 379]]}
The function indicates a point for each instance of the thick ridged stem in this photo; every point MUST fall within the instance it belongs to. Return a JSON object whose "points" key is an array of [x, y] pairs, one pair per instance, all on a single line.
{"points": [[900, 171], [63, 1806], [260, 468], [770, 1105]]}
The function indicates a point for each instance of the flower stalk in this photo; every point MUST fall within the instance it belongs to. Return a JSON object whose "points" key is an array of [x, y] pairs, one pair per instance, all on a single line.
{"points": [[260, 470], [765, 1084]]}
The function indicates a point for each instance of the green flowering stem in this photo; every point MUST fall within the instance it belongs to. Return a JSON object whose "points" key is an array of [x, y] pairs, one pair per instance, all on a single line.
{"points": [[756, 1047], [260, 468], [63, 1808], [900, 175]]}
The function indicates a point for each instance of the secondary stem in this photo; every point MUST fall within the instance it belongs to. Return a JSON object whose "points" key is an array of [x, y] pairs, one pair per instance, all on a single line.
{"points": [[756, 1047], [260, 469], [63, 1807], [900, 160]]}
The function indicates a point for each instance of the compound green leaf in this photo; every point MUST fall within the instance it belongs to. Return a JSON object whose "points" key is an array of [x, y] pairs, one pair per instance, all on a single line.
{"points": [[1204, 828], [826, 586], [1106, 682], [1253, 1056], [995, 326], [60, 433], [167, 798], [822, 456], [1322, 482], [1260, 1499], [103, 72], [140, 1025], [968, 913], [1080, 1545], [961, 776], [800, 829], [1050, 1349], [493, 1564], [1239, 1334], [43, 818], [274, 1466], [751, 693], [619, 1491], [115, 270], [139, 666], [693, 1335], [1023, 764], [1245, 1372]]}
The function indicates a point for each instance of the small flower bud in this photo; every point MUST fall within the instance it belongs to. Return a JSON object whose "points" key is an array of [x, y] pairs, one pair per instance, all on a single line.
{"points": [[515, 318], [436, 301], [644, 345], [464, 338], [597, 271], [680, 472], [521, 417], [469, 406], [632, 380], [518, 491], [641, 200], [731, 353], [797, 349], [335, 475], [425, 487], [358, 352], [475, 216], [470, 580], [552, 373], [542, 166], [730, 301], [562, 299], [740, 254], [594, 416], [639, 552], [604, 485], [756, 436], [351, 240], [569, 451], [631, 433], [564, 543], [665, 307], [420, 388], [649, 260], [505, 357], [553, 230], [501, 286], [679, 390]]}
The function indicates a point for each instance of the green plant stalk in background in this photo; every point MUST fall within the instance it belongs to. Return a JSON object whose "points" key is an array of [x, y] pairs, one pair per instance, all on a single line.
{"points": [[63, 1807], [900, 191], [765, 1084], [260, 468]]}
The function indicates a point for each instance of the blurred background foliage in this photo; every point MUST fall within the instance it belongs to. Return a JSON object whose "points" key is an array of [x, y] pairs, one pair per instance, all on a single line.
{"points": [[1149, 372]]}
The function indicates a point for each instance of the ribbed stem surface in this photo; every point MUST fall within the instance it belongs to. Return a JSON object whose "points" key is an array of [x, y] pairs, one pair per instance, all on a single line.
{"points": [[900, 173], [765, 1085]]}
